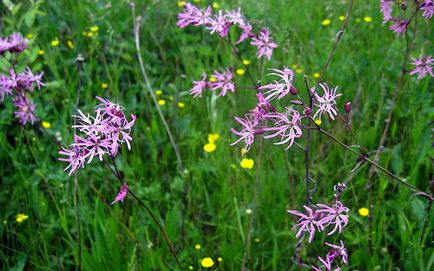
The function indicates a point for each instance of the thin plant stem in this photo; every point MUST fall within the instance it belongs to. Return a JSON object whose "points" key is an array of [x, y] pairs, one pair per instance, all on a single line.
{"points": [[151, 92]]}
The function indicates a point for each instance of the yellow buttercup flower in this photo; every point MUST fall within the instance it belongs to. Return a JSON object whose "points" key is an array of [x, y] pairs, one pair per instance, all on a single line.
{"points": [[209, 147], [246, 62], [89, 34], [316, 75], [158, 92], [70, 44], [41, 52], [181, 104], [46, 124], [84, 33], [190, 267], [104, 85], [367, 19], [181, 3], [240, 71], [247, 163], [171, 97], [243, 151], [358, 20], [342, 18], [364, 211], [220, 259], [294, 66], [55, 42], [197, 247], [29, 36], [197, 1], [212, 138], [298, 70], [257, 240], [326, 22], [213, 79], [207, 262], [215, 5], [21, 217], [161, 102], [318, 122], [94, 28]]}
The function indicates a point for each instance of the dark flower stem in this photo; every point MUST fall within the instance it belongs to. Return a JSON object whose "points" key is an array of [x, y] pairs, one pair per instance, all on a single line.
{"points": [[142, 204], [237, 53]]}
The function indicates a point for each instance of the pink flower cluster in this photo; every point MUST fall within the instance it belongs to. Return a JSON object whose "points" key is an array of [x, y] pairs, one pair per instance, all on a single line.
{"points": [[222, 22], [286, 125], [423, 66], [222, 81], [399, 24], [103, 134], [19, 85], [322, 217]]}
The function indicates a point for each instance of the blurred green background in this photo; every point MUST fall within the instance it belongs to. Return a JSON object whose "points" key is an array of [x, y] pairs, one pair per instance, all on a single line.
{"points": [[233, 213]]}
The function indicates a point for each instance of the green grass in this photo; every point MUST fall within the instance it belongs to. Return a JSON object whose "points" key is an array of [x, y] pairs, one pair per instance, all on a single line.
{"points": [[207, 204]]}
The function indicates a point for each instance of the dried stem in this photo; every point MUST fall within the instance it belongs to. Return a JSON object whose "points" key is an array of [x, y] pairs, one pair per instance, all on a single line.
{"points": [[151, 92]]}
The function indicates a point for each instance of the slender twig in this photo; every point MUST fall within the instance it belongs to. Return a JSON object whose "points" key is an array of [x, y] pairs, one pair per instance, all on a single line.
{"points": [[151, 92], [237, 53], [118, 175]]}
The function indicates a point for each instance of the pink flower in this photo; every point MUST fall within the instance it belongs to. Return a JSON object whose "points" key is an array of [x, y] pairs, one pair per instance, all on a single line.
{"points": [[199, 86], [428, 9], [24, 110], [335, 215], [280, 88], [224, 82], [75, 157], [259, 113], [17, 44], [220, 25], [423, 66], [307, 222], [123, 192], [264, 43], [327, 102], [5, 87], [338, 250], [235, 17], [286, 126], [399, 26], [386, 9], [246, 33], [193, 15], [247, 133]]}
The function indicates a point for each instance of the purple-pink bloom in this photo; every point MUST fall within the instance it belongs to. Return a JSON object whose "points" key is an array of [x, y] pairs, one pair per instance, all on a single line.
{"points": [[199, 86], [4, 45], [264, 43], [280, 88], [327, 102], [193, 15], [246, 32], [75, 157], [338, 250], [247, 133], [428, 9], [17, 44], [423, 66], [5, 87], [123, 192], [259, 113], [386, 10], [307, 222], [285, 125], [224, 82], [24, 110], [219, 24], [335, 215], [399, 26], [235, 17]]}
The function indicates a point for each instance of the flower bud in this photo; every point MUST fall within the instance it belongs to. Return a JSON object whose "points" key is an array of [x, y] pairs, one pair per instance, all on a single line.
{"points": [[293, 90], [307, 111], [404, 5], [347, 107]]}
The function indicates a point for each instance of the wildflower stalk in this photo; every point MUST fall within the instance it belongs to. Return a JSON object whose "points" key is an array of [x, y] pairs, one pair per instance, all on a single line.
{"points": [[151, 92], [373, 163], [142, 204], [237, 53]]}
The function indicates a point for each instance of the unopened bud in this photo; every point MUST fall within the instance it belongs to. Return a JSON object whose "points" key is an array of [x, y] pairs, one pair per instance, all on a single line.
{"points": [[297, 102], [307, 111], [347, 107], [293, 90], [404, 5]]}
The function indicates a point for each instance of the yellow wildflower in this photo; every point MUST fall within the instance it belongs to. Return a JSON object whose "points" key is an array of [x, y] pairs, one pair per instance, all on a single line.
{"points": [[240, 71], [358, 20], [215, 5], [247, 163], [41, 52], [55, 42], [197, 1], [257, 240], [21, 217], [90, 34], [207, 262], [364, 211], [94, 28], [181, 104], [243, 151], [197, 247], [246, 62], [84, 33], [316, 75], [158, 92], [70, 44], [104, 85], [367, 19], [326, 22], [342, 18], [212, 138], [29, 36], [46, 124], [181, 4], [209, 147], [161, 102], [213, 79], [220, 259], [190, 267], [318, 122], [298, 70], [294, 66], [171, 97]]}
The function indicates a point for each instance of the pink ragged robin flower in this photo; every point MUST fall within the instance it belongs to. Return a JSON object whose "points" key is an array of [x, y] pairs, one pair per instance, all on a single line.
{"points": [[224, 82], [123, 192], [199, 86], [247, 133], [336, 251], [24, 109], [235, 17], [264, 43], [193, 15], [327, 102], [428, 8], [336, 216], [306, 223], [15, 43], [263, 107], [423, 66], [280, 88], [398, 26], [219, 24], [285, 125], [246, 32], [386, 10]]}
